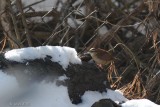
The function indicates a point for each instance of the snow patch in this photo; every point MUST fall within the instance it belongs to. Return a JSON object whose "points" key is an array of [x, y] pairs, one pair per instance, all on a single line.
{"points": [[140, 28], [48, 94], [74, 23], [90, 97], [77, 2], [139, 103], [62, 78], [116, 95], [46, 5], [8, 86], [103, 30], [63, 55]]}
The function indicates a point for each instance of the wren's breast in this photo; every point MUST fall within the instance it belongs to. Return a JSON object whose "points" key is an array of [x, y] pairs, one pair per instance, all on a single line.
{"points": [[98, 60]]}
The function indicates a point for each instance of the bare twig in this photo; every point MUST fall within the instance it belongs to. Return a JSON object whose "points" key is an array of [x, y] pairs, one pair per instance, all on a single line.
{"points": [[40, 14], [7, 25], [4, 44], [15, 24], [61, 41], [19, 4]]}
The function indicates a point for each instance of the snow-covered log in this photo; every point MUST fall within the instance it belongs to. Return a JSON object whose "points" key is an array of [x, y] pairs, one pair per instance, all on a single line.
{"points": [[54, 75], [48, 63]]}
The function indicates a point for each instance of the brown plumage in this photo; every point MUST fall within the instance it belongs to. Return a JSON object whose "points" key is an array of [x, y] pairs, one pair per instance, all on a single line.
{"points": [[101, 56]]}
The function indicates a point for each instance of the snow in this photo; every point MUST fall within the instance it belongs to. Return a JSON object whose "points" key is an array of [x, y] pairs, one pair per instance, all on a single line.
{"points": [[129, 34], [62, 78], [63, 55], [74, 23], [139, 103], [92, 96], [48, 94], [8, 85], [46, 5], [140, 28], [77, 2], [116, 95], [103, 30]]}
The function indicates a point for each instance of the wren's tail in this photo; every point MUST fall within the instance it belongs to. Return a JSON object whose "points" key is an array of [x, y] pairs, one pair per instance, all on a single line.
{"points": [[116, 59]]}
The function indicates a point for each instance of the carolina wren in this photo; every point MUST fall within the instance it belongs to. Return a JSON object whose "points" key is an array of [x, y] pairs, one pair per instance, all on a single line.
{"points": [[101, 56]]}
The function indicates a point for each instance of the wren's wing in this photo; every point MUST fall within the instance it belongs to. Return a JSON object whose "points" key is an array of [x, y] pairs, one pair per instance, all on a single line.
{"points": [[105, 55]]}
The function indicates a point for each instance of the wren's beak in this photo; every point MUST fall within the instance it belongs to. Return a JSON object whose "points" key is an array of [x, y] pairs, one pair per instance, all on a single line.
{"points": [[87, 54], [86, 57]]}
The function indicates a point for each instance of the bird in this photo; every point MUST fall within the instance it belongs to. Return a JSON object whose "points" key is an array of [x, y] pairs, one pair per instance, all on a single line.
{"points": [[101, 56]]}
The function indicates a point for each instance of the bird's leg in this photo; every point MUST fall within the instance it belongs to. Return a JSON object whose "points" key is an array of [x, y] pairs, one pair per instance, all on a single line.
{"points": [[99, 66]]}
